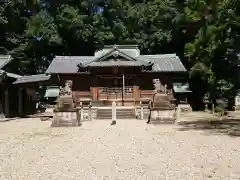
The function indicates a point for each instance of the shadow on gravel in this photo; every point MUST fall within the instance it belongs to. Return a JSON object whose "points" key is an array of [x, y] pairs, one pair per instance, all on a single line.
{"points": [[229, 127], [165, 121]]}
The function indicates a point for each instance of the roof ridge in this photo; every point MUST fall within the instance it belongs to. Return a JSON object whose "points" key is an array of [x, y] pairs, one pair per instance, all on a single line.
{"points": [[32, 78], [74, 56], [135, 59], [35, 75], [162, 55]]}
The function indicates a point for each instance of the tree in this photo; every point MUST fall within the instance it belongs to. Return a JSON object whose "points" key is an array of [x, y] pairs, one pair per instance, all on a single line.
{"points": [[215, 46]]}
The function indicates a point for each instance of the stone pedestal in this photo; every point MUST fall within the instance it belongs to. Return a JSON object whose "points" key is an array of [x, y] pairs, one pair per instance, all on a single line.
{"points": [[65, 113], [65, 118]]}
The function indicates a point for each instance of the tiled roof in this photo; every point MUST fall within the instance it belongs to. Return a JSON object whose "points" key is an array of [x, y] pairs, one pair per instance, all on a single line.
{"points": [[67, 64], [161, 63], [12, 75], [4, 60], [164, 62], [32, 78]]}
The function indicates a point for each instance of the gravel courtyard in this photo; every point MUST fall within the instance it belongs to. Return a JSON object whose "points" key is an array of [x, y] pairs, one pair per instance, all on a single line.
{"points": [[131, 150]]}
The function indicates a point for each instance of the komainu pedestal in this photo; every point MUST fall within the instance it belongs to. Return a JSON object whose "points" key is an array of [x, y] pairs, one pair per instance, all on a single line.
{"points": [[65, 113], [161, 103]]}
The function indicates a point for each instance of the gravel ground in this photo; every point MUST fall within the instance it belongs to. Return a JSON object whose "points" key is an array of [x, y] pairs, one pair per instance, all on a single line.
{"points": [[31, 150]]}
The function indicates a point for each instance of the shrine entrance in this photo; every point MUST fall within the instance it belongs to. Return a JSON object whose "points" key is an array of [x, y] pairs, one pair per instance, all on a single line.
{"points": [[118, 85], [115, 88]]}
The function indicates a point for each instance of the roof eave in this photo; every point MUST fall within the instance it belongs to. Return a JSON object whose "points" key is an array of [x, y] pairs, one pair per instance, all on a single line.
{"points": [[6, 62], [166, 71]]}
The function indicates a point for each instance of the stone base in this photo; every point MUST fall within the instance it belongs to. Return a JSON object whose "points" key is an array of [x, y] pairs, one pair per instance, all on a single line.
{"points": [[164, 114], [185, 107], [163, 117], [66, 119]]}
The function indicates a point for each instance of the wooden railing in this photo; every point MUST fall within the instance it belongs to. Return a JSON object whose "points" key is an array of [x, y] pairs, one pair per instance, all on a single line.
{"points": [[79, 96], [106, 93], [115, 93], [148, 94]]}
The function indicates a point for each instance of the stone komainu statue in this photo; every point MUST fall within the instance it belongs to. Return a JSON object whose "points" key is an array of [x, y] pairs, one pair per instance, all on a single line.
{"points": [[65, 113], [160, 101], [65, 99], [67, 89]]}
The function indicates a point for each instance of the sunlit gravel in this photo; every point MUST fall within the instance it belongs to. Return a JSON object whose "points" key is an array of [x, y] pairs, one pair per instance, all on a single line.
{"points": [[130, 150]]}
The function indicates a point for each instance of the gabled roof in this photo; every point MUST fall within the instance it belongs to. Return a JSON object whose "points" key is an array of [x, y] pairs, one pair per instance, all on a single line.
{"points": [[4, 61], [7, 74], [164, 62], [131, 50], [115, 52], [159, 63], [32, 78], [115, 57], [67, 64]]}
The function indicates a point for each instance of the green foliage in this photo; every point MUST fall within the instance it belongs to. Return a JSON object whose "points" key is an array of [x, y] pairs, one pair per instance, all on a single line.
{"points": [[216, 45], [42, 27]]}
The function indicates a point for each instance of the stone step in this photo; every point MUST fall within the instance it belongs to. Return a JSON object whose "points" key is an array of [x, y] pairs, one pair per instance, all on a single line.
{"points": [[121, 113]]}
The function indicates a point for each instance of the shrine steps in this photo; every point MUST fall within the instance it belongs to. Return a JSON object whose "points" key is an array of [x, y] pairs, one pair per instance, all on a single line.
{"points": [[121, 113]]}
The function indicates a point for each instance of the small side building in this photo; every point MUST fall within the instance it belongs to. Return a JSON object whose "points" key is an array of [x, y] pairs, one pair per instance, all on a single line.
{"points": [[27, 87], [8, 92], [17, 93]]}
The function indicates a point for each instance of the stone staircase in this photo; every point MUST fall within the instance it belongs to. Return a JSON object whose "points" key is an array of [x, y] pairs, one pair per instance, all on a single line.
{"points": [[121, 112]]}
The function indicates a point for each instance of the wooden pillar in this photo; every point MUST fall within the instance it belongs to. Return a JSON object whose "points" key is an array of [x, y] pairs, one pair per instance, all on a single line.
{"points": [[136, 93], [6, 101], [20, 102], [94, 91]]}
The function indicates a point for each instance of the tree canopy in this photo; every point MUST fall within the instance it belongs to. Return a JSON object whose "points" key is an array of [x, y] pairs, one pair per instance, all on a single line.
{"points": [[203, 33]]}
